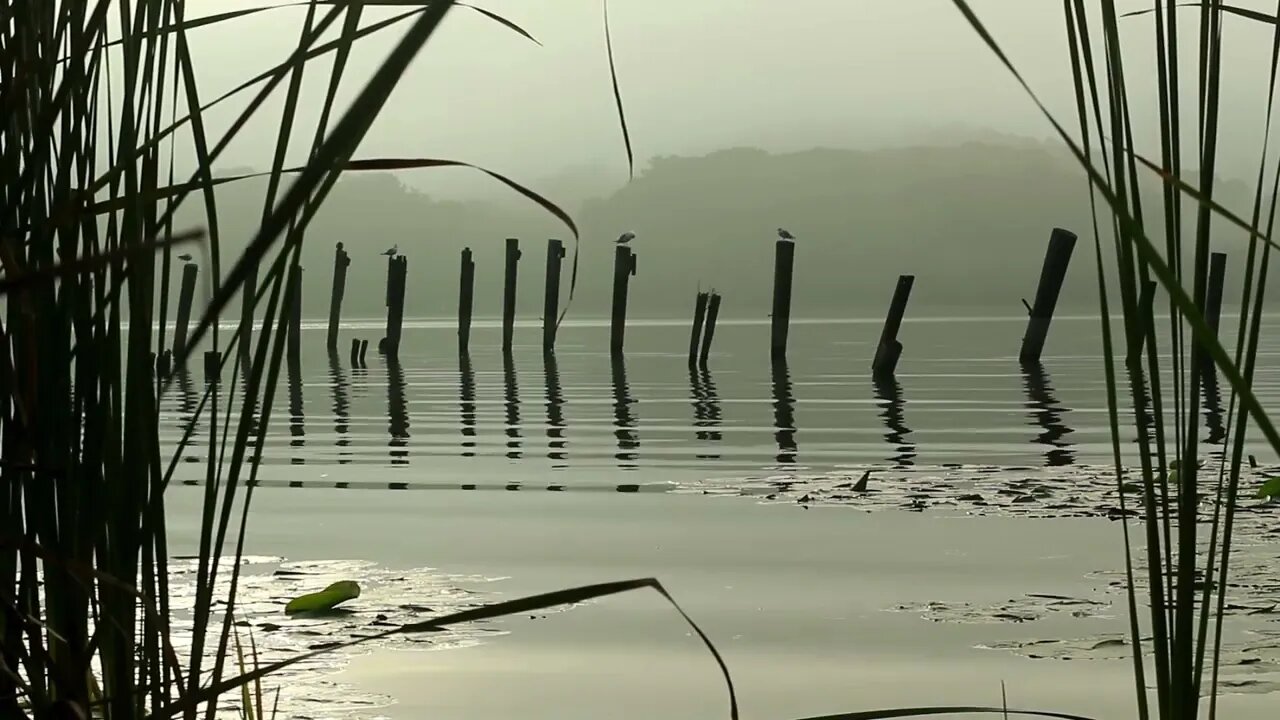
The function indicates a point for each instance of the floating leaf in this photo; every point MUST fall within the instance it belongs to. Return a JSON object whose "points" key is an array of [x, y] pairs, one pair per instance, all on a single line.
{"points": [[326, 599], [1270, 488]]}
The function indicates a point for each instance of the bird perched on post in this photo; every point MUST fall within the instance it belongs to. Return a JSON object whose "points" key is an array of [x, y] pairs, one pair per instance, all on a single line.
{"points": [[391, 251], [783, 234], [625, 238], [185, 257]]}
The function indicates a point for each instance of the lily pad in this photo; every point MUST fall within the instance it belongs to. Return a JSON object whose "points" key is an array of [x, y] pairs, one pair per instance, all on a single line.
{"points": [[326, 599], [1270, 488]]}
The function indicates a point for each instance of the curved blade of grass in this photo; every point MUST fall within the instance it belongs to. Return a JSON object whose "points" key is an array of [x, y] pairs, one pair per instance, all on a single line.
{"points": [[617, 93], [1231, 9], [87, 263], [1202, 332], [570, 596]]}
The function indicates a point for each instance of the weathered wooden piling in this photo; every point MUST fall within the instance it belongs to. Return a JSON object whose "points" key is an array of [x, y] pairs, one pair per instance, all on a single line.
{"points": [[466, 292], [695, 336], [185, 297], [709, 329], [294, 341], [355, 352], [885, 362], [1213, 308], [509, 293], [164, 364], [364, 350], [340, 262], [1146, 305], [624, 266], [397, 274], [1056, 259], [551, 301], [212, 367], [783, 265]]}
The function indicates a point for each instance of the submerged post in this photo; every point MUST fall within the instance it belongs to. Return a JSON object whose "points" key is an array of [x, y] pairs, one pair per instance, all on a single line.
{"points": [[355, 352], [340, 262], [509, 293], [624, 266], [185, 297], [397, 272], [1213, 304], [890, 350], [783, 264], [1056, 259], [709, 330], [466, 291], [294, 346], [551, 301], [695, 336]]}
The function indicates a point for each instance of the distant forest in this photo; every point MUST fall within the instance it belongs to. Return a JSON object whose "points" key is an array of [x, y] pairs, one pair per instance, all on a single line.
{"points": [[970, 220]]}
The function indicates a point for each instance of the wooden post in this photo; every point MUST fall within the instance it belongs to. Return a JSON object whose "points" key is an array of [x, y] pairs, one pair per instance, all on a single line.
{"points": [[294, 347], [1056, 259], [783, 264], [212, 369], [551, 301], [695, 336], [509, 293], [466, 291], [709, 330], [340, 262], [1213, 298], [185, 297], [397, 273], [624, 266], [889, 350], [364, 350], [355, 352]]}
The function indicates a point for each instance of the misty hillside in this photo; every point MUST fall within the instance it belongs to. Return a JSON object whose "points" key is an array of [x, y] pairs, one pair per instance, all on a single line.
{"points": [[969, 220]]}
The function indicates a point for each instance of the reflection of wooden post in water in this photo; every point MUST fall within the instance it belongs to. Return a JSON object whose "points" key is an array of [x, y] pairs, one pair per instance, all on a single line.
{"points": [[556, 443], [511, 395], [623, 418], [889, 350], [467, 404], [888, 391], [355, 352], [341, 409], [212, 366], [509, 293], [340, 262], [294, 308], [297, 421], [397, 414], [1056, 260], [695, 336], [551, 300], [784, 418], [783, 265], [1213, 307], [709, 330], [186, 295], [466, 292], [624, 266], [706, 410], [397, 276], [247, 306], [1047, 414], [364, 350]]}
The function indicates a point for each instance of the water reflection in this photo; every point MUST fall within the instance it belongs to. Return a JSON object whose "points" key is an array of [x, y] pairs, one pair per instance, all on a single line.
{"points": [[888, 394], [624, 419], [397, 413], [341, 409], [784, 413], [1213, 414], [187, 404], [511, 397], [557, 444], [706, 412], [297, 422], [1046, 413], [467, 404]]}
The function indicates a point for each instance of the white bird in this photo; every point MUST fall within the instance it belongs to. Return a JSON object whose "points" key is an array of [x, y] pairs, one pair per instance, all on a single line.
{"points": [[625, 238], [185, 257], [391, 251], [782, 233]]}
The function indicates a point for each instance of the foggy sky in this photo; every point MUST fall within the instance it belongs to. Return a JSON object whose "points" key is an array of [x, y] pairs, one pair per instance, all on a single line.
{"points": [[700, 75]]}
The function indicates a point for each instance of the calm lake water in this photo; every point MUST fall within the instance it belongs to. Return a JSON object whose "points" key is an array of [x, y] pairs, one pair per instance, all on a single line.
{"points": [[994, 561]]}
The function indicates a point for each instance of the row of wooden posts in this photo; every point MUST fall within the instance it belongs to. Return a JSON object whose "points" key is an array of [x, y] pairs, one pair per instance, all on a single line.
{"points": [[706, 306]]}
